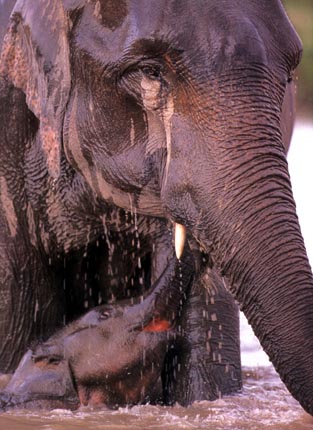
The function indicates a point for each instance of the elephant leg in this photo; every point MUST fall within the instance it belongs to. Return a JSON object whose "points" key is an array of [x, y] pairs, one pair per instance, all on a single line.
{"points": [[208, 359]]}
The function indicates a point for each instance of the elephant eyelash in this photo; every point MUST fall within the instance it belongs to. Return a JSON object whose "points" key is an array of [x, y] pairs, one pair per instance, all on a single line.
{"points": [[53, 359], [130, 77], [152, 72]]}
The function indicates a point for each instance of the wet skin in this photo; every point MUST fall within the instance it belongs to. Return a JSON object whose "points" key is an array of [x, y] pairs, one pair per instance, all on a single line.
{"points": [[89, 252], [176, 115], [113, 355], [127, 353]]}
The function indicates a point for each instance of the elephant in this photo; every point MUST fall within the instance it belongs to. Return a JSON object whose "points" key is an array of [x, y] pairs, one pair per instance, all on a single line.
{"points": [[124, 123], [117, 354], [6, 7], [112, 355], [81, 265]]}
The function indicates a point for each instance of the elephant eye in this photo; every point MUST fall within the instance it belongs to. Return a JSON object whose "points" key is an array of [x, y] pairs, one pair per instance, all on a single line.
{"points": [[104, 315], [147, 83], [151, 72], [55, 360], [42, 361]]}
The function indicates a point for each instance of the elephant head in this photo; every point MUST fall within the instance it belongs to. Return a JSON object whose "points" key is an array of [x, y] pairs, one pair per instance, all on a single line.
{"points": [[175, 110], [112, 355]]}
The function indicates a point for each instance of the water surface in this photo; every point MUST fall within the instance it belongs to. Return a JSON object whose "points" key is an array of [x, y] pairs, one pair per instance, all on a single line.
{"points": [[263, 404]]}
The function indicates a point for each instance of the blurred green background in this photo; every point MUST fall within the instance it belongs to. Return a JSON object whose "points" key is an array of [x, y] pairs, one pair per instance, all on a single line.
{"points": [[301, 15]]}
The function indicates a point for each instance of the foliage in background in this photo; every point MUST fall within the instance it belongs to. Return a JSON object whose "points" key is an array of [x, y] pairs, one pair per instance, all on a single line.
{"points": [[301, 15]]}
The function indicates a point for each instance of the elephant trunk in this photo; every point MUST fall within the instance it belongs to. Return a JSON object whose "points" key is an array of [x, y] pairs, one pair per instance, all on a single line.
{"points": [[237, 201], [162, 305], [262, 256]]}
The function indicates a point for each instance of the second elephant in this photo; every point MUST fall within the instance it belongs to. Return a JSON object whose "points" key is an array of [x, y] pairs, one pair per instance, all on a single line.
{"points": [[127, 353]]}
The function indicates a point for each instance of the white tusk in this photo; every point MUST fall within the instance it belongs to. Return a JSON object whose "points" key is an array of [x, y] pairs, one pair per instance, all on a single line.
{"points": [[180, 239]]}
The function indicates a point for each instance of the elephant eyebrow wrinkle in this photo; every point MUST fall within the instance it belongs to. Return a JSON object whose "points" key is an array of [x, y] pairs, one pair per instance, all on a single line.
{"points": [[141, 51]]}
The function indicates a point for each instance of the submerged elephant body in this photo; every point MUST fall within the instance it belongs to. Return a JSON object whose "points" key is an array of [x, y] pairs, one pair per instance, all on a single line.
{"points": [[114, 355], [176, 115]]}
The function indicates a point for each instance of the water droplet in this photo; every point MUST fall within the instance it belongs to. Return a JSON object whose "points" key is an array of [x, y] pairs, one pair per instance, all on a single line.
{"points": [[100, 299], [36, 310]]}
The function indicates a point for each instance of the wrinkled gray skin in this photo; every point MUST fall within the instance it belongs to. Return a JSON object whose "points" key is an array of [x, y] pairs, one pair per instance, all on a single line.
{"points": [[6, 7], [113, 355], [175, 114]]}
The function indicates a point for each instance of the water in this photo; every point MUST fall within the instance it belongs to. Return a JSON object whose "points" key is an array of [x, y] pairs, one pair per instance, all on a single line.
{"points": [[264, 402]]}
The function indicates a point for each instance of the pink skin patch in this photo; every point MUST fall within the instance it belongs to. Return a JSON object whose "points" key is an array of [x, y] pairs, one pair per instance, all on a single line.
{"points": [[157, 325]]}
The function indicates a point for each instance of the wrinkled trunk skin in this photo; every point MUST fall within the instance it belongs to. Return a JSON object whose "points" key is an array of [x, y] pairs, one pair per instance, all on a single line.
{"points": [[238, 202], [209, 364]]}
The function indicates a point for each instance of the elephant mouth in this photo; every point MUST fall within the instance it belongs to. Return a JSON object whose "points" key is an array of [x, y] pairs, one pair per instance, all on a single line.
{"points": [[158, 325]]}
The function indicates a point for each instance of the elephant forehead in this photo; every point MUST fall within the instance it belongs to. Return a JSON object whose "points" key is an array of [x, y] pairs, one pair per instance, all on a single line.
{"points": [[108, 14], [230, 31]]}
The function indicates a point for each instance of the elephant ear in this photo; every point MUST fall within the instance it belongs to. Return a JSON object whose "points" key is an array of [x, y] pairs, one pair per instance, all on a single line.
{"points": [[35, 59]]}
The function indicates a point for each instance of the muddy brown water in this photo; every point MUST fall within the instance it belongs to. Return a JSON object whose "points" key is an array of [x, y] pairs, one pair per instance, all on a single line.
{"points": [[263, 404]]}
